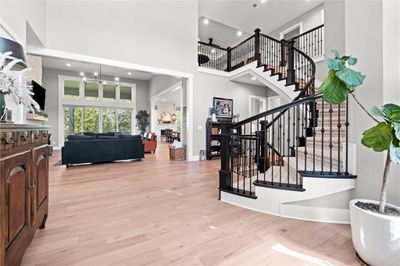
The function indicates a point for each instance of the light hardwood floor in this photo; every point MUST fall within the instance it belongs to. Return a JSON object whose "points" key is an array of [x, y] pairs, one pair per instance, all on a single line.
{"points": [[160, 212]]}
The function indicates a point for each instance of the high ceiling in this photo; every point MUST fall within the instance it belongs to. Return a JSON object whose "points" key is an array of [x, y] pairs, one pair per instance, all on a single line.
{"points": [[223, 35], [268, 16], [89, 69], [173, 96]]}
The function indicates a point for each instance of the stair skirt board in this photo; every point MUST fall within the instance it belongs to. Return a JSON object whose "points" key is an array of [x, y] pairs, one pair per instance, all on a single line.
{"points": [[284, 202]]}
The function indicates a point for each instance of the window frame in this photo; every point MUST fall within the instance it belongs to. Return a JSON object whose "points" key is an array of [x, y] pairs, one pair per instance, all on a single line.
{"points": [[99, 103]]}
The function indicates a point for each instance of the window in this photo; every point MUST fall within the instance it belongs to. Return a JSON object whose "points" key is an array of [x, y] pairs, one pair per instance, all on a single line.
{"points": [[91, 90], [109, 120], [125, 93], [109, 92], [124, 120], [94, 107], [72, 120], [71, 89], [91, 119]]}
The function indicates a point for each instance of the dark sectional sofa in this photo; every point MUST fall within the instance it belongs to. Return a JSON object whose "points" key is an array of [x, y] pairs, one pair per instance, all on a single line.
{"points": [[101, 148]]}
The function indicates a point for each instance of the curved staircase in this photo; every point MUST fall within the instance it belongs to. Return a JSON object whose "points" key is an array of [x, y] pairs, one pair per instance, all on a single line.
{"points": [[294, 153]]}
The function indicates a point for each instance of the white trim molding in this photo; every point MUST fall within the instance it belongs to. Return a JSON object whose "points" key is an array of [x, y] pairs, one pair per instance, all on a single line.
{"points": [[298, 25]]}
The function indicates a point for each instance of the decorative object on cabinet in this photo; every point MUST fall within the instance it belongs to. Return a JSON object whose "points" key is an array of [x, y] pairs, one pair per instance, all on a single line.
{"points": [[224, 109], [24, 170], [212, 111], [236, 118], [13, 84]]}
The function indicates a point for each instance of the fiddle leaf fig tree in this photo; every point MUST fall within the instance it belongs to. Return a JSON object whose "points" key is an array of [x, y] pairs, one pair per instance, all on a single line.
{"points": [[142, 121], [385, 135]]}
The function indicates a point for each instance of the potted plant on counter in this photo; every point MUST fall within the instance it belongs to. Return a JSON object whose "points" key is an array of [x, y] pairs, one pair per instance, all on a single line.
{"points": [[13, 85], [375, 225], [213, 113]]}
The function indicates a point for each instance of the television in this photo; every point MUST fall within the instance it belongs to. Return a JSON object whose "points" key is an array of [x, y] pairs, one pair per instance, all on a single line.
{"points": [[39, 94]]}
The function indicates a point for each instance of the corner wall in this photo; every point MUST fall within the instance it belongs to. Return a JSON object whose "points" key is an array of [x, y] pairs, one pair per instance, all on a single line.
{"points": [[364, 39], [209, 85]]}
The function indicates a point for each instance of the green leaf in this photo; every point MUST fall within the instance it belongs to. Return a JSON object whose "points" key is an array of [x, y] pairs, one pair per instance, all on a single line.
{"points": [[333, 89], [378, 137], [350, 77], [396, 127], [335, 64], [345, 57], [392, 112], [352, 61], [395, 154], [336, 52], [377, 112]]}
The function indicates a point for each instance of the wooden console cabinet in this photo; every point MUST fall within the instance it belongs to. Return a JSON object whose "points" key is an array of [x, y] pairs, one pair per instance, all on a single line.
{"points": [[24, 172]]}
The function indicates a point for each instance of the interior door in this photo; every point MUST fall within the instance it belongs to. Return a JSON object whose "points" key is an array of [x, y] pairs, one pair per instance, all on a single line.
{"points": [[257, 105]]}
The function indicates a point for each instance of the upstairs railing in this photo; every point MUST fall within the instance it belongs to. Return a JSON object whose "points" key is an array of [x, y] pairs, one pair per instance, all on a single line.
{"points": [[311, 42], [289, 59]]}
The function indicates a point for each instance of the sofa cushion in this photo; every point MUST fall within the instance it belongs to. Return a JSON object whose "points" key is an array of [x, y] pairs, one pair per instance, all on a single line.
{"points": [[130, 137], [80, 137], [105, 134], [107, 137]]}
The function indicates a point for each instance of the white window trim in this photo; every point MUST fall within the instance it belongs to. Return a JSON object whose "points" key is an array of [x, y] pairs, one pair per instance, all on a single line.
{"points": [[298, 25], [100, 103]]}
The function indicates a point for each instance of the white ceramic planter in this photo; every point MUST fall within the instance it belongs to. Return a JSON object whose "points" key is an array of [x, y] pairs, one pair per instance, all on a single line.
{"points": [[214, 117], [376, 237]]}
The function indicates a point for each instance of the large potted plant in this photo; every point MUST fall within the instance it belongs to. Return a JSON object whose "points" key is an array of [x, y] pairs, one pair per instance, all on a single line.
{"points": [[142, 121], [375, 225]]}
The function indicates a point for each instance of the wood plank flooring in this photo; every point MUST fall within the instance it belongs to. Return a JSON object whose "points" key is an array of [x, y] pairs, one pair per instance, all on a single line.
{"points": [[160, 212]]}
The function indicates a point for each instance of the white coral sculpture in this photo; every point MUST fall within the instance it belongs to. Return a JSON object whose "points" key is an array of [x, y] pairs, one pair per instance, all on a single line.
{"points": [[11, 85]]}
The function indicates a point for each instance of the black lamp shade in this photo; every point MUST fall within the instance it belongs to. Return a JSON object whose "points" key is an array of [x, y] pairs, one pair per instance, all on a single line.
{"points": [[17, 50]]}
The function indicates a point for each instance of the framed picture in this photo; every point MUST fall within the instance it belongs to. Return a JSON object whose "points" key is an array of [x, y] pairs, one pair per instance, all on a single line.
{"points": [[224, 107]]}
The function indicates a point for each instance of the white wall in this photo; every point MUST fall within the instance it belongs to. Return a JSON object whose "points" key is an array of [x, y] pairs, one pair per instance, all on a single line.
{"points": [[152, 33], [310, 20], [15, 15], [209, 85], [391, 76], [50, 83], [364, 39]]}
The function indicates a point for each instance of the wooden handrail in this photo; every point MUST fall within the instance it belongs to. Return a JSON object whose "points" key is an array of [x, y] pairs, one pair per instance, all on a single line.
{"points": [[304, 33], [212, 45]]}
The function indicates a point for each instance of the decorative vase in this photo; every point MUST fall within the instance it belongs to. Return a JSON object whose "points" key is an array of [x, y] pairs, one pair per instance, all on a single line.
{"points": [[376, 236], [2, 105], [214, 117]]}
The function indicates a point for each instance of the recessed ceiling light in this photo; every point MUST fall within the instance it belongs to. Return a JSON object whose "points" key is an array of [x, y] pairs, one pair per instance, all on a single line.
{"points": [[239, 33], [263, 1], [95, 73], [116, 78], [81, 74], [163, 100], [206, 21], [253, 78], [213, 51], [84, 79], [68, 64], [129, 73]]}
